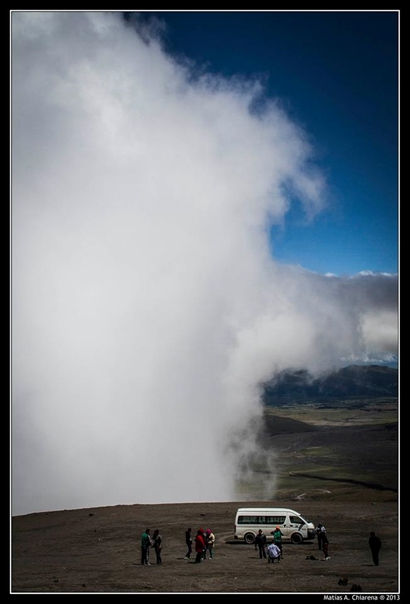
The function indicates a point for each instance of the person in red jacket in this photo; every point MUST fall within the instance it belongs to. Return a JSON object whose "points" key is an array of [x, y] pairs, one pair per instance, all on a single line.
{"points": [[199, 545]]}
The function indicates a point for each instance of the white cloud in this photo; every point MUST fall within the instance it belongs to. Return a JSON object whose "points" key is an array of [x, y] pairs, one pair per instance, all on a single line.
{"points": [[146, 306]]}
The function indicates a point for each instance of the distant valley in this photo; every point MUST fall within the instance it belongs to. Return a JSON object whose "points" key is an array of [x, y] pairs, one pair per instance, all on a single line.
{"points": [[352, 382]]}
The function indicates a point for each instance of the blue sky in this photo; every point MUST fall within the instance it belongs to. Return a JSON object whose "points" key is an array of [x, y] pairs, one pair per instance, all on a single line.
{"points": [[335, 74]]}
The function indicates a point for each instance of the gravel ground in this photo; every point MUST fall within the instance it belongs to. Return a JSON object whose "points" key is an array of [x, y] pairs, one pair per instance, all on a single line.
{"points": [[97, 549]]}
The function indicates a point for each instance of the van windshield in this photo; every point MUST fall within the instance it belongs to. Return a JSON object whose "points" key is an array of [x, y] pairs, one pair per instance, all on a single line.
{"points": [[296, 520]]}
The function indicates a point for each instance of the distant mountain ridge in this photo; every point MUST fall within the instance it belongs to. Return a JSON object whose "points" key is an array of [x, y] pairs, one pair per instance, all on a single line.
{"points": [[354, 381]]}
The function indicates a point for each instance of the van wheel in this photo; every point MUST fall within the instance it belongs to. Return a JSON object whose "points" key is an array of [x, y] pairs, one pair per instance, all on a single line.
{"points": [[296, 538], [249, 538]]}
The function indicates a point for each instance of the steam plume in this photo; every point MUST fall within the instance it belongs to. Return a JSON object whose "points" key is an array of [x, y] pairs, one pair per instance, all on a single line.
{"points": [[147, 308]]}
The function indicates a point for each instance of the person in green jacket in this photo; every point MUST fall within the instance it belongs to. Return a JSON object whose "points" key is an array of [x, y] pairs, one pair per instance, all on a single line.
{"points": [[277, 539]]}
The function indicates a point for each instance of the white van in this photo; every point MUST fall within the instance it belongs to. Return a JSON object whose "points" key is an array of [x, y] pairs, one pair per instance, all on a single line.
{"points": [[248, 521]]}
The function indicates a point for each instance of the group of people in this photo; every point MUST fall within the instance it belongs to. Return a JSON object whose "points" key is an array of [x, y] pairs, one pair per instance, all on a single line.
{"points": [[272, 552], [146, 542], [323, 543], [205, 541], [204, 544]]}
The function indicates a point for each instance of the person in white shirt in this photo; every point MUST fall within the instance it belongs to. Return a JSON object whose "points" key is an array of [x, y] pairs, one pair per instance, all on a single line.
{"points": [[273, 553]]}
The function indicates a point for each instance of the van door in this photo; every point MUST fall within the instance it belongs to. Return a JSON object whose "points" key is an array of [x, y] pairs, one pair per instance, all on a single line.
{"points": [[286, 527], [297, 523]]}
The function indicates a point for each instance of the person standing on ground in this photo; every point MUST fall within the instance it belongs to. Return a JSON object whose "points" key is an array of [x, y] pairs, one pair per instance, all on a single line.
{"points": [[205, 536], [260, 540], [375, 545], [188, 541], [320, 531], [157, 542], [199, 545], [210, 541], [277, 539], [145, 543], [325, 546]]}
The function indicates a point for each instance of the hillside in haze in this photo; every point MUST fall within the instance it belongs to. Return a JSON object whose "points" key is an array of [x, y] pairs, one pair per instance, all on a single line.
{"points": [[355, 381]]}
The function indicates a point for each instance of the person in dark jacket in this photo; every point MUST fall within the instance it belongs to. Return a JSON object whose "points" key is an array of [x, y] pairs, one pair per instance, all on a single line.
{"points": [[199, 545], [188, 541], [320, 532], [260, 541], [375, 545], [157, 543], [325, 546], [145, 544]]}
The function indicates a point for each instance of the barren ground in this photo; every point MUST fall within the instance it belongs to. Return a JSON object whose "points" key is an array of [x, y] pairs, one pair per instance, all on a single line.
{"points": [[97, 549]]}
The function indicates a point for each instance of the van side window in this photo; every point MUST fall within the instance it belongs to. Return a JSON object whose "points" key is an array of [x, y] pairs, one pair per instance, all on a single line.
{"points": [[248, 520], [296, 520], [261, 519], [275, 519]]}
